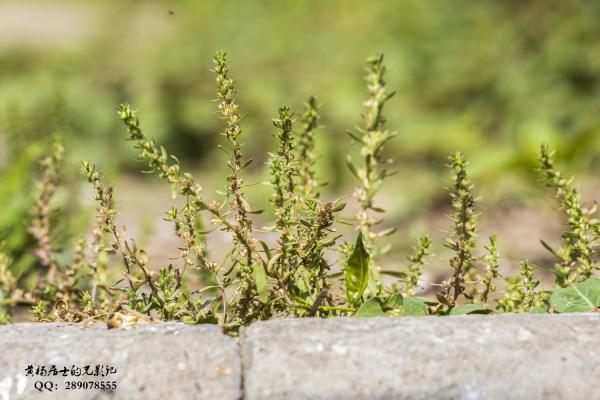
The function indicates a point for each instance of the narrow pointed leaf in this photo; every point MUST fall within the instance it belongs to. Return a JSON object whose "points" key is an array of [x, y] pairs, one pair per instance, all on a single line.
{"points": [[357, 272], [352, 167]]}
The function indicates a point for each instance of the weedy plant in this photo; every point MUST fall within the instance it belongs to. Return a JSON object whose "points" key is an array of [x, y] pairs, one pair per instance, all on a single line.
{"points": [[372, 170], [292, 276]]}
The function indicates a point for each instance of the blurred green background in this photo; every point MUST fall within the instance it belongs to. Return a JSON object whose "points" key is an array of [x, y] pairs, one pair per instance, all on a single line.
{"points": [[492, 78]]}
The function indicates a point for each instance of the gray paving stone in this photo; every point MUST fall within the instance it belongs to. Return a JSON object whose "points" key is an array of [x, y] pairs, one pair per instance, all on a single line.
{"points": [[158, 361], [463, 357]]}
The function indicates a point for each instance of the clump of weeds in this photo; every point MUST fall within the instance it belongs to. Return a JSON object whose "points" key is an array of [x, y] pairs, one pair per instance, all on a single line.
{"points": [[291, 276]]}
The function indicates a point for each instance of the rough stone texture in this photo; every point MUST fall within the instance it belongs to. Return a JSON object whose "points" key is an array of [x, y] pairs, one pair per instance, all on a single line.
{"points": [[463, 357], [158, 361]]}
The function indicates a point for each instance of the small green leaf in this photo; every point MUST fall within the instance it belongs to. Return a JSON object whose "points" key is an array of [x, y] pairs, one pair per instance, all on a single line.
{"points": [[352, 167], [370, 308], [248, 162], [471, 309], [387, 232], [265, 248], [339, 207], [581, 297], [549, 248], [396, 274], [373, 190], [260, 279], [353, 136], [330, 242], [385, 249], [272, 261], [357, 272]]}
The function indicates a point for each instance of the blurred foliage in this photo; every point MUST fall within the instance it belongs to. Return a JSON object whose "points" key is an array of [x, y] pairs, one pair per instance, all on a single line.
{"points": [[491, 78]]}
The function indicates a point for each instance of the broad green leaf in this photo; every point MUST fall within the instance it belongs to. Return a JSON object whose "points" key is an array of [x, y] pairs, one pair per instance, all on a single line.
{"points": [[471, 309], [370, 308], [357, 272], [260, 279], [399, 306], [414, 307], [581, 297]]}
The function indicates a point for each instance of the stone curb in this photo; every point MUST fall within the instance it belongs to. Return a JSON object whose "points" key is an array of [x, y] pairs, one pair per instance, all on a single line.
{"points": [[463, 357], [162, 361]]}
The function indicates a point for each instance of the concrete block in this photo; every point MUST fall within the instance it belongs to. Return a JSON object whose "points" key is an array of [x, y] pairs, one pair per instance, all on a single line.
{"points": [[463, 357], [153, 361]]}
